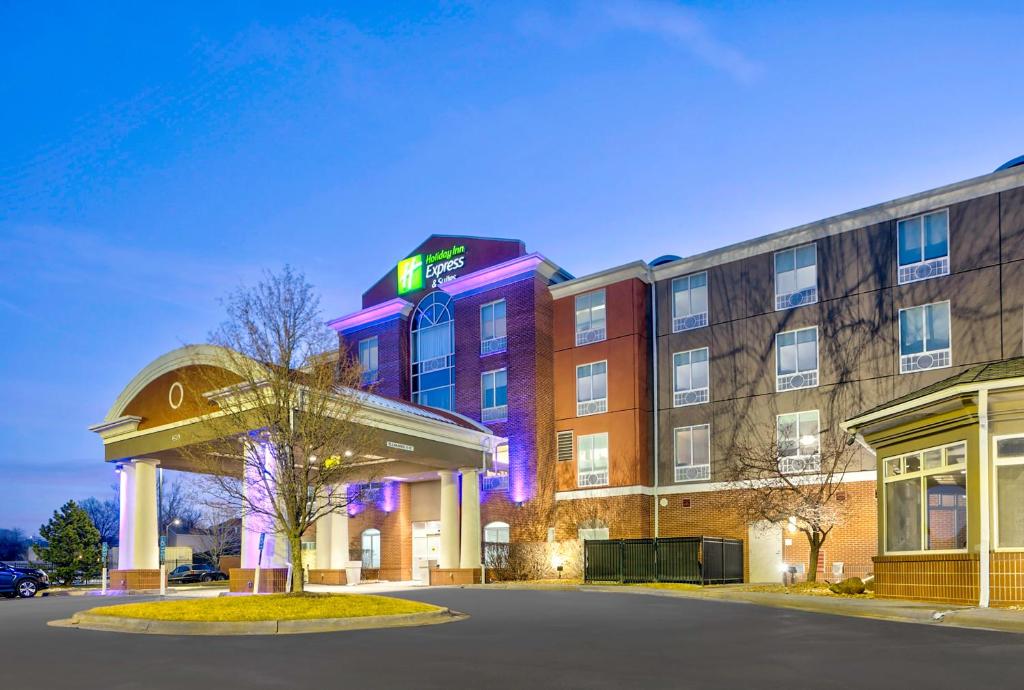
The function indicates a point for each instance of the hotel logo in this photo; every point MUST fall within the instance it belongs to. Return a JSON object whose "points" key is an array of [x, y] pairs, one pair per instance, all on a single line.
{"points": [[410, 274]]}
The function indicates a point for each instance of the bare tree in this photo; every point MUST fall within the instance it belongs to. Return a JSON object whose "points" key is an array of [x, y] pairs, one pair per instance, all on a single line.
{"points": [[105, 516], [289, 419], [179, 507], [221, 528], [794, 474]]}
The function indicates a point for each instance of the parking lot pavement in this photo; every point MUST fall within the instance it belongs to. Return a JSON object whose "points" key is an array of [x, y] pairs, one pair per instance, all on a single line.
{"points": [[523, 639]]}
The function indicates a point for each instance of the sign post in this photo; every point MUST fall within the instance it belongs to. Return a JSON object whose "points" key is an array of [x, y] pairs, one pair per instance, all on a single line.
{"points": [[259, 562], [103, 572], [163, 565]]}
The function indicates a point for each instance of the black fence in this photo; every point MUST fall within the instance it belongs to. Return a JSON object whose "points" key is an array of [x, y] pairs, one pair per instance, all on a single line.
{"points": [[694, 560]]}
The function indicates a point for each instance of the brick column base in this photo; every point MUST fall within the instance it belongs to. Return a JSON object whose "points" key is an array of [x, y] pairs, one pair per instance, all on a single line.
{"points": [[127, 580], [327, 577], [272, 580], [455, 576]]}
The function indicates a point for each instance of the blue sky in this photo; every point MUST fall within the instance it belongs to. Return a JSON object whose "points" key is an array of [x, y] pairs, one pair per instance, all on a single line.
{"points": [[152, 158]]}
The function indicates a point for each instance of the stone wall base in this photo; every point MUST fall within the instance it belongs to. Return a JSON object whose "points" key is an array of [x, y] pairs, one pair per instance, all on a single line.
{"points": [[134, 579], [455, 576], [327, 577], [272, 580]]}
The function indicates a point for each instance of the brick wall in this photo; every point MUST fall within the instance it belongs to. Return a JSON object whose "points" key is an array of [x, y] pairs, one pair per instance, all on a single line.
{"points": [[392, 354]]}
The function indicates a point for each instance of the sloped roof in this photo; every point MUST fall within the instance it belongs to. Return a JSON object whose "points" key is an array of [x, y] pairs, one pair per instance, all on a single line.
{"points": [[980, 373]]}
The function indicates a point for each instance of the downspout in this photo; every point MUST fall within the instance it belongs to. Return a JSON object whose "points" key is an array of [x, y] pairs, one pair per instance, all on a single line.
{"points": [[656, 441], [984, 554]]}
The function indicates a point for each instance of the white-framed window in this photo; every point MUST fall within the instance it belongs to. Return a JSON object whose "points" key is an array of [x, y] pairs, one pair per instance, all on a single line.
{"points": [[493, 336], [371, 548], [691, 453], [690, 377], [1009, 494], [591, 388], [368, 359], [494, 395], [590, 317], [926, 500], [433, 351], [925, 338], [799, 442], [592, 460], [689, 302], [796, 359], [496, 532], [496, 478], [923, 246], [796, 277]]}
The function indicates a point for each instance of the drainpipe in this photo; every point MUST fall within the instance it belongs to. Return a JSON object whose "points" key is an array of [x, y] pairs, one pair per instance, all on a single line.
{"points": [[654, 399], [984, 555]]}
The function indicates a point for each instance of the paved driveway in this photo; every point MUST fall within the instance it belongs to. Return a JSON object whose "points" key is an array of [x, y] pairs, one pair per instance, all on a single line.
{"points": [[523, 639]]}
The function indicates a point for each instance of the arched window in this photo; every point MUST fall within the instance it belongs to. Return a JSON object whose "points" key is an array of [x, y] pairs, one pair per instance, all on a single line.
{"points": [[433, 352], [371, 548], [496, 544]]}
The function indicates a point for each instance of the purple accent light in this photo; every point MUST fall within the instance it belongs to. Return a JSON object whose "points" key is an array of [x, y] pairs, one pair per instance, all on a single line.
{"points": [[494, 274], [378, 312], [388, 500]]}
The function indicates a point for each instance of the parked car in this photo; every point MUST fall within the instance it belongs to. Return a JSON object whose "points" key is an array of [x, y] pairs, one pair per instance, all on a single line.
{"points": [[21, 582], [196, 572]]}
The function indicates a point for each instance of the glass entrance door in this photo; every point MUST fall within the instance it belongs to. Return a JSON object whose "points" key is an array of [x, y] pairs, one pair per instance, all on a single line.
{"points": [[426, 547]]}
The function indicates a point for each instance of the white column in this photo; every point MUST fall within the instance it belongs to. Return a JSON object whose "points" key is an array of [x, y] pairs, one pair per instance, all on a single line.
{"points": [[470, 551], [332, 537], [449, 520], [127, 498], [255, 522], [144, 541]]}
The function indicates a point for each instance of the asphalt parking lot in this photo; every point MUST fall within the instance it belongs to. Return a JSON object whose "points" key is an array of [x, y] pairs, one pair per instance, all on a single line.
{"points": [[522, 639]]}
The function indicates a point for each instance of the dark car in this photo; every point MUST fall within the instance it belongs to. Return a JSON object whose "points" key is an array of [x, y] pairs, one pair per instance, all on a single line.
{"points": [[195, 573], [21, 582]]}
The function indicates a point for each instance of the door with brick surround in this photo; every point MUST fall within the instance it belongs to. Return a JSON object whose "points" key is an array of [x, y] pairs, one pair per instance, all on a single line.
{"points": [[764, 541]]}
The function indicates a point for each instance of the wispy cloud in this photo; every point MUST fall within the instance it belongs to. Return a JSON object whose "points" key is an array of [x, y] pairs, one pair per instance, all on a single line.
{"points": [[681, 25]]}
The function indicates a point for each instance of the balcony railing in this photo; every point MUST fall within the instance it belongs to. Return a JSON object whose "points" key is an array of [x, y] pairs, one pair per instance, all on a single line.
{"points": [[592, 478], [494, 481], [936, 359], [591, 335], [589, 407], [494, 414], [493, 345], [368, 377], [690, 322], [923, 270], [801, 379], [693, 473], [694, 396], [796, 299], [799, 464]]}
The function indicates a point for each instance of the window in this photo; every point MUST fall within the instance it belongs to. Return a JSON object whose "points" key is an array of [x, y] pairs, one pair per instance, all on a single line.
{"points": [[590, 319], [690, 302], [923, 247], [1009, 507], [368, 359], [926, 500], [496, 478], [371, 548], [924, 338], [433, 352], [492, 328], [494, 390], [799, 443], [690, 377], [796, 359], [592, 460], [692, 453], [496, 545], [796, 277], [591, 388]]}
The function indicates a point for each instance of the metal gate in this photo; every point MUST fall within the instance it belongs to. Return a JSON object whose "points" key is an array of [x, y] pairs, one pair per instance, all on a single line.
{"points": [[694, 560]]}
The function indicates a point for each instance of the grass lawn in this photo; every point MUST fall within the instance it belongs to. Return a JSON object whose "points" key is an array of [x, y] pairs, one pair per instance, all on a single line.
{"points": [[267, 607]]}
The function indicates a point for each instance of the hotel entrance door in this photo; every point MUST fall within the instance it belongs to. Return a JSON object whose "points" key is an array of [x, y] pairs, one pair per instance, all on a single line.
{"points": [[426, 547]]}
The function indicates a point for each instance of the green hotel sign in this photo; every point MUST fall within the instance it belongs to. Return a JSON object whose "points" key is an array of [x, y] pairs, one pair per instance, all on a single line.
{"points": [[434, 269]]}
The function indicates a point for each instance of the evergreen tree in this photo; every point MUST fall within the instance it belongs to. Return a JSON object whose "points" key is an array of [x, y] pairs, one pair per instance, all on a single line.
{"points": [[73, 544]]}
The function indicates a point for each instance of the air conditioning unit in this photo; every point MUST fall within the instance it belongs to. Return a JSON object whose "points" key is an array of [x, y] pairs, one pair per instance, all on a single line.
{"points": [[796, 299], [493, 345], [923, 270], [690, 397], [586, 479], [801, 379], [798, 464], [590, 407], [693, 473], [688, 323], [936, 359], [593, 335]]}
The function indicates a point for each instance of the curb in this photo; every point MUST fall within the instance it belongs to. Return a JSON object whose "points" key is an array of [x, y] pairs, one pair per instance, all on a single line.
{"points": [[87, 621]]}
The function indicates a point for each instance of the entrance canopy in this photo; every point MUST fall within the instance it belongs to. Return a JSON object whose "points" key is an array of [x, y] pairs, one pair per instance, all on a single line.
{"points": [[160, 412]]}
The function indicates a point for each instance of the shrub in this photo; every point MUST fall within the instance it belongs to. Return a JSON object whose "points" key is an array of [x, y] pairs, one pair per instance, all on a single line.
{"points": [[851, 585]]}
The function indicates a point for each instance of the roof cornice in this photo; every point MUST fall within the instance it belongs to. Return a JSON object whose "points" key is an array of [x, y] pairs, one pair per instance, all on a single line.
{"points": [[921, 202], [507, 270], [378, 312], [637, 270]]}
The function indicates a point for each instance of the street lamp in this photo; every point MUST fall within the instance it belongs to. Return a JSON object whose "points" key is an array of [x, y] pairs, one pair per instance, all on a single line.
{"points": [[167, 532]]}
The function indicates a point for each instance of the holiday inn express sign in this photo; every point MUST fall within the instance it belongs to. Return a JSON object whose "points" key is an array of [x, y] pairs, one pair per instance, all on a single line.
{"points": [[430, 270]]}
